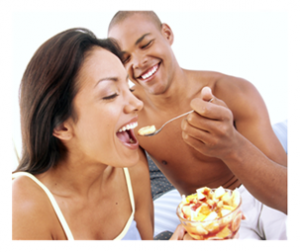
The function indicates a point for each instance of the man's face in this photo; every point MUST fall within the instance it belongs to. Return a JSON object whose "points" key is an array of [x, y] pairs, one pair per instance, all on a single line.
{"points": [[147, 53]]}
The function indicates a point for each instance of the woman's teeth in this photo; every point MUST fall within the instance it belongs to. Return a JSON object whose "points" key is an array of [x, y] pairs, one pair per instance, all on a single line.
{"points": [[128, 126], [150, 73]]}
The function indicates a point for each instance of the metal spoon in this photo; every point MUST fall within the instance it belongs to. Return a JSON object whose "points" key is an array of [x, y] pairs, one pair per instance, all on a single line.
{"points": [[154, 131], [157, 131]]}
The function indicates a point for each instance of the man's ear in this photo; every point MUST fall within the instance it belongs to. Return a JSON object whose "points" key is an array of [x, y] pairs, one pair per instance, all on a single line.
{"points": [[63, 131], [167, 33]]}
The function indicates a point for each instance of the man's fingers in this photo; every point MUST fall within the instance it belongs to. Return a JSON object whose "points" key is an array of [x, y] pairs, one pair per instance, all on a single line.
{"points": [[206, 94], [211, 110]]}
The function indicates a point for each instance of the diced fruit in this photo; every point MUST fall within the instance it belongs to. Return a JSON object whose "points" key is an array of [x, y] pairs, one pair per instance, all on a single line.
{"points": [[200, 195], [200, 217], [211, 214], [191, 197], [230, 208], [235, 198], [212, 226], [220, 204], [226, 198], [186, 210], [219, 192], [204, 209], [204, 190], [225, 212], [225, 232], [201, 230]]}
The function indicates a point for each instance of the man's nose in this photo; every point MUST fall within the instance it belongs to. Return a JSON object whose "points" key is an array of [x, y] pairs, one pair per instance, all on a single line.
{"points": [[139, 61]]}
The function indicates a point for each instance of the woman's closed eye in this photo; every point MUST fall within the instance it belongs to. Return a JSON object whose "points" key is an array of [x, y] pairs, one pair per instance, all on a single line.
{"points": [[110, 96], [125, 60]]}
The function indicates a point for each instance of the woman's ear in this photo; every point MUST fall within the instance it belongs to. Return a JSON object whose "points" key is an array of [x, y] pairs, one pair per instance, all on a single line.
{"points": [[64, 131], [167, 33]]}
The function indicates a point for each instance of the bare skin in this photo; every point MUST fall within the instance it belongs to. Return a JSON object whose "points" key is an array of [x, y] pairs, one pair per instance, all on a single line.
{"points": [[227, 142], [92, 195]]}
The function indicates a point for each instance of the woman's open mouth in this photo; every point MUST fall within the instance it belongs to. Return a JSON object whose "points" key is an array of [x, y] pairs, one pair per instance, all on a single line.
{"points": [[126, 135]]}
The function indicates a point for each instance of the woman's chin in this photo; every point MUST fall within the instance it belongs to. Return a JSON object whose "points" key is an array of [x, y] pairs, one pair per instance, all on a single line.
{"points": [[132, 161]]}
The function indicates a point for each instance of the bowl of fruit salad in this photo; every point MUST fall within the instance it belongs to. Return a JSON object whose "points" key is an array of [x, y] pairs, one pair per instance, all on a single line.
{"points": [[211, 214]]}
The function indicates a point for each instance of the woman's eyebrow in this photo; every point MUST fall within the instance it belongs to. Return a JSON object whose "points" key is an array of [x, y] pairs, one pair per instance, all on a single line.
{"points": [[107, 78], [111, 79]]}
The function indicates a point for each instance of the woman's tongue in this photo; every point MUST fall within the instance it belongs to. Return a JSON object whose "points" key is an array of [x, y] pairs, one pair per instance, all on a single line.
{"points": [[124, 136]]}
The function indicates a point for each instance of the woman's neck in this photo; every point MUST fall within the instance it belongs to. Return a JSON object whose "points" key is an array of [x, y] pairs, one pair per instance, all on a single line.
{"points": [[70, 177]]}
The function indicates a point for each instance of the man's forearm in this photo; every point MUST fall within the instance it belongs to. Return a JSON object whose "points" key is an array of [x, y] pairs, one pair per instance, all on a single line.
{"points": [[265, 179]]}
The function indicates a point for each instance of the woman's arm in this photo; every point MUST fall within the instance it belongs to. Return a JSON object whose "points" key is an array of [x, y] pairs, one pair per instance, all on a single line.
{"points": [[141, 186]]}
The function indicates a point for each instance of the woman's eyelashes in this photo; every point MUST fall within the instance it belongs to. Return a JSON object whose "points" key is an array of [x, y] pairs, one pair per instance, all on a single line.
{"points": [[125, 60], [110, 96]]}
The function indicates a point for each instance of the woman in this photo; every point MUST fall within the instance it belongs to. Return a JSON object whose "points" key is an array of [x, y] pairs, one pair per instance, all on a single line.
{"points": [[77, 116]]}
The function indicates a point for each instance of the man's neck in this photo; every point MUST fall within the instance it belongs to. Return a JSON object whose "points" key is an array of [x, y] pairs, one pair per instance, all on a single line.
{"points": [[175, 94]]}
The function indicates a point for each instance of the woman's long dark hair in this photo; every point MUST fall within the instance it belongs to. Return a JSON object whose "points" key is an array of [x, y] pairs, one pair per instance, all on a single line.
{"points": [[47, 90]]}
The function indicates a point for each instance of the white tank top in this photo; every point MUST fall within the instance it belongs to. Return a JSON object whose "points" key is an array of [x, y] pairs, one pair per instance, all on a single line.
{"points": [[130, 231]]}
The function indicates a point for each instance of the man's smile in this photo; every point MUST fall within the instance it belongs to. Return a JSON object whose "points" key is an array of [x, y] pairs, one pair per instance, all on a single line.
{"points": [[149, 73]]}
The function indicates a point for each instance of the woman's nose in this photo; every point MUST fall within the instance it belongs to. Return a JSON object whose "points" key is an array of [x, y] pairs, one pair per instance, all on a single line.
{"points": [[134, 104]]}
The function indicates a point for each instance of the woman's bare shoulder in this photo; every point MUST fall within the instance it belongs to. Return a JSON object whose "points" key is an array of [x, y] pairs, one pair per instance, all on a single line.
{"points": [[32, 212]]}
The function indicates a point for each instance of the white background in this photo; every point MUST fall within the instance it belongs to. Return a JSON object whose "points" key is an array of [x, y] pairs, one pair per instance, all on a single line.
{"points": [[257, 40], [252, 45]]}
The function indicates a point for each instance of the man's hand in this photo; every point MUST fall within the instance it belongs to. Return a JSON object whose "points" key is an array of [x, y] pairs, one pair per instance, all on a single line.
{"points": [[209, 129]]}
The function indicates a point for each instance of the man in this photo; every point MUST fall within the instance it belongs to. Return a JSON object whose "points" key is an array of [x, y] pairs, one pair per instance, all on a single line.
{"points": [[227, 141]]}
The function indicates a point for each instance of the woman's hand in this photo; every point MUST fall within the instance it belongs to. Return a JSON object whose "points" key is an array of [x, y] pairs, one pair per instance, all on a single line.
{"points": [[180, 234]]}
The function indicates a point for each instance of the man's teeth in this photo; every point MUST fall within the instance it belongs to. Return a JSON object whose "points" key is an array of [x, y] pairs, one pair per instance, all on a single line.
{"points": [[150, 73], [129, 126]]}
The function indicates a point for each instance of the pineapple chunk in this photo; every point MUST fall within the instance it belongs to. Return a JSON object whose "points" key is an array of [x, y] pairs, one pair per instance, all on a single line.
{"points": [[226, 198], [191, 197], [201, 230], [204, 209], [219, 192], [186, 210], [235, 198], [225, 232], [228, 207], [211, 216]]}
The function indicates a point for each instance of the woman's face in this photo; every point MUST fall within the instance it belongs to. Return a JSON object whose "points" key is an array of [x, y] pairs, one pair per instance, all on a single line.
{"points": [[106, 112]]}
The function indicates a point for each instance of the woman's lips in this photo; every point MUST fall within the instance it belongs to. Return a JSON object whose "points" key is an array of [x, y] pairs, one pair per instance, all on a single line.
{"points": [[126, 135], [128, 138]]}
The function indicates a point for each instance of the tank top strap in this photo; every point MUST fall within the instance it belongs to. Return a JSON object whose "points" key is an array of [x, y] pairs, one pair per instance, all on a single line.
{"points": [[130, 192], [128, 181], [52, 200]]}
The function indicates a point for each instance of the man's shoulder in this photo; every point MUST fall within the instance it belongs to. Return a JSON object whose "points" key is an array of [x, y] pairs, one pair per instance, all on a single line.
{"points": [[214, 77]]}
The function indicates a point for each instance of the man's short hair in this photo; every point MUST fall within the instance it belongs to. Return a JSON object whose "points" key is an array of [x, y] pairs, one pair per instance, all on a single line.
{"points": [[122, 15]]}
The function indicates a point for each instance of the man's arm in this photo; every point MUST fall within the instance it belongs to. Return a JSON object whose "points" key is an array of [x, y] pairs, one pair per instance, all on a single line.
{"points": [[251, 150]]}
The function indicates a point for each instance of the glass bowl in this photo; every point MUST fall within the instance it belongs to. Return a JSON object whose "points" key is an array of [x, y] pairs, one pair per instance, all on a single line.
{"points": [[221, 228]]}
